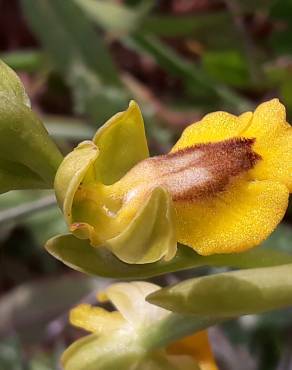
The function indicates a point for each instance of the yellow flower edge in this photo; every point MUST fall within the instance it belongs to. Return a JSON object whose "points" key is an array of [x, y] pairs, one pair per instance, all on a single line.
{"points": [[248, 211], [135, 316]]}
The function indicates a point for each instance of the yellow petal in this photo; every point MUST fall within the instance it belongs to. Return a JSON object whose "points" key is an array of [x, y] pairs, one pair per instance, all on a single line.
{"points": [[122, 143], [198, 347], [233, 221], [213, 127], [273, 142], [268, 118], [129, 299], [95, 319]]}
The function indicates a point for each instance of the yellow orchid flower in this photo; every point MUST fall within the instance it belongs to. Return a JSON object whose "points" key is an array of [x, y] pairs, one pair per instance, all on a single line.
{"points": [[117, 339], [223, 188]]}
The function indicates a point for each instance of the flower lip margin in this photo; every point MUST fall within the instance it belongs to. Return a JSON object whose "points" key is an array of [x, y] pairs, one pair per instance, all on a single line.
{"points": [[251, 189], [244, 216]]}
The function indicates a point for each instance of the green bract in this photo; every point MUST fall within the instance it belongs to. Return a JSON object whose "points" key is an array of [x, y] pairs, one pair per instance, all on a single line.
{"points": [[230, 294], [28, 157]]}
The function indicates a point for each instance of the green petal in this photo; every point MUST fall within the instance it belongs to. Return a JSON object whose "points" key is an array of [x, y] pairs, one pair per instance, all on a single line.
{"points": [[230, 294], [71, 173], [151, 235], [81, 256], [122, 143]]}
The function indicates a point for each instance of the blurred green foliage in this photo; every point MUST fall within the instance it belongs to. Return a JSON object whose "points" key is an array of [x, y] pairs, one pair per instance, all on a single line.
{"points": [[84, 61]]}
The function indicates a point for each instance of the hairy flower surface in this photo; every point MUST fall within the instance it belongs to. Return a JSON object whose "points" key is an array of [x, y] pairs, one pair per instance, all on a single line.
{"points": [[223, 188], [119, 335]]}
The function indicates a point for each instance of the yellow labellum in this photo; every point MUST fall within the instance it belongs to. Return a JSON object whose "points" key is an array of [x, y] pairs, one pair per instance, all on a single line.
{"points": [[223, 188]]}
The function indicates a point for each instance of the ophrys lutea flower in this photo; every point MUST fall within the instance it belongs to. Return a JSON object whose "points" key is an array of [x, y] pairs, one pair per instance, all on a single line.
{"points": [[119, 338], [223, 188]]}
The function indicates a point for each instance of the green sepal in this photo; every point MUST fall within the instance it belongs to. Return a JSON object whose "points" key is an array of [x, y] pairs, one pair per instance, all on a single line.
{"points": [[28, 157], [81, 256], [122, 144], [71, 173], [229, 294], [99, 351], [11, 87]]}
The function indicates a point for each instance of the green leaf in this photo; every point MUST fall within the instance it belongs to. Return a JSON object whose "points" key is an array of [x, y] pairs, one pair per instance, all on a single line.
{"points": [[26, 208], [10, 354], [280, 239], [76, 39], [230, 294], [24, 60], [74, 129], [79, 54], [227, 66], [197, 81], [193, 76], [45, 223], [28, 156], [35, 210], [111, 16], [200, 25], [30, 307], [81, 256], [122, 20]]}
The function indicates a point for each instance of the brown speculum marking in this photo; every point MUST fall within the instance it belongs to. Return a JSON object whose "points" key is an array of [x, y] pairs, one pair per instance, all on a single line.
{"points": [[223, 161], [196, 172]]}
